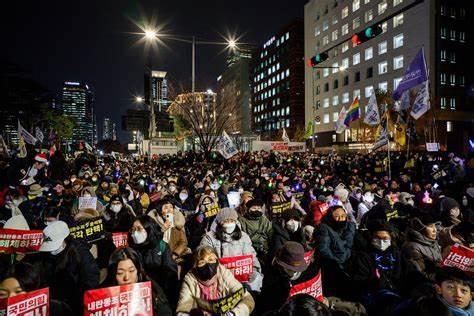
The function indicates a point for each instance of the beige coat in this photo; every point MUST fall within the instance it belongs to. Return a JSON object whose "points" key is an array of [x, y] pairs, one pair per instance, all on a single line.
{"points": [[189, 296]]}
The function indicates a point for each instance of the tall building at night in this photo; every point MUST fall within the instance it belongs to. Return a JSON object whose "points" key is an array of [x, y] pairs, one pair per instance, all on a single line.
{"points": [[109, 131], [443, 28], [233, 91], [156, 95], [78, 103], [277, 84]]}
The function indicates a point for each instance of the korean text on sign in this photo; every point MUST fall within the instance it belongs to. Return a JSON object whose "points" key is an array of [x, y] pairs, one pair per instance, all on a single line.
{"points": [[89, 230], [313, 287], [460, 257], [28, 304], [120, 239], [241, 266], [15, 240]]}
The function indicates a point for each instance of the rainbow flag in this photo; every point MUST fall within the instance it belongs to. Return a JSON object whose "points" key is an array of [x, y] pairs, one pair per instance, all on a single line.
{"points": [[353, 112]]}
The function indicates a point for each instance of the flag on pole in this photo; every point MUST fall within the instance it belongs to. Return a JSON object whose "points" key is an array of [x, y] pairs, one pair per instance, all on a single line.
{"points": [[404, 103], [226, 147], [3, 148], [372, 115], [39, 134], [284, 136], [401, 134], [88, 147], [353, 113], [414, 75], [309, 130], [422, 102], [340, 127], [27, 137], [383, 131]]}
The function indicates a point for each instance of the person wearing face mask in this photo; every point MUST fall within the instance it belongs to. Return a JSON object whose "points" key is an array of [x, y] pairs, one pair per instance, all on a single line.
{"points": [[288, 196], [208, 281], [87, 192], [259, 229], [67, 266], [355, 198], [33, 207], [103, 190], [364, 206], [287, 228], [378, 271], [117, 216], [228, 240], [334, 239], [184, 202]]}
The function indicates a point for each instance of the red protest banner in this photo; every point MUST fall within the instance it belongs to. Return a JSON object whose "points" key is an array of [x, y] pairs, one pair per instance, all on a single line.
{"points": [[460, 257], [120, 239], [308, 256], [16, 240], [155, 196], [313, 287], [32, 303], [241, 266], [133, 299]]}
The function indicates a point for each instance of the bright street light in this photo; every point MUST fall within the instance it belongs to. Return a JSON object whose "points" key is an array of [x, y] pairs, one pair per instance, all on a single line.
{"points": [[231, 44], [342, 68], [139, 99], [150, 34]]}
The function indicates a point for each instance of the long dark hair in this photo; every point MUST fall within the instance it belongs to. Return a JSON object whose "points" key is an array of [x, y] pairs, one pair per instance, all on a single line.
{"points": [[153, 232], [304, 305], [121, 255], [27, 275], [236, 235]]}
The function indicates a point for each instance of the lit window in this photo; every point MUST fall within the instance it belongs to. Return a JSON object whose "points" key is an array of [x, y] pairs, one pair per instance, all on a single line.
{"points": [[452, 35], [384, 27], [345, 29], [368, 91], [287, 123], [344, 12], [334, 138], [335, 100], [369, 53], [443, 32], [334, 35], [335, 68], [325, 72], [366, 1], [443, 55], [345, 47], [287, 72], [356, 23], [398, 62], [345, 63], [383, 86], [442, 103], [325, 25], [382, 47], [452, 12], [356, 94], [383, 67], [462, 37], [326, 103], [462, 80], [382, 6], [396, 81], [345, 97], [369, 15], [356, 59], [326, 118], [442, 78], [452, 58], [335, 116], [443, 10], [452, 103], [397, 20], [449, 126], [325, 40], [452, 79], [287, 35], [355, 5], [397, 2], [334, 19], [398, 41], [287, 110]]}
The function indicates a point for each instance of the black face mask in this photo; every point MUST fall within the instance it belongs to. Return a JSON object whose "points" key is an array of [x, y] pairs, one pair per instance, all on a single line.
{"points": [[339, 225], [254, 214], [207, 271]]}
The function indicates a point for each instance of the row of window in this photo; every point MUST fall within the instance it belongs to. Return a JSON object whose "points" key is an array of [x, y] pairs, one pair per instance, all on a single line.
{"points": [[272, 92], [276, 125], [444, 102], [382, 6], [453, 35], [446, 56], [275, 79], [279, 41], [451, 12], [278, 112], [459, 80]]}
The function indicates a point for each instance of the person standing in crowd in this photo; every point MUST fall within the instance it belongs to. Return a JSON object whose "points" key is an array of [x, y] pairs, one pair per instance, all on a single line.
{"points": [[117, 216], [125, 267], [209, 281]]}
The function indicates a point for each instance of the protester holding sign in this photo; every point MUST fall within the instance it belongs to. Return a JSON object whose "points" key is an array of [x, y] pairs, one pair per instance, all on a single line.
{"points": [[207, 287], [125, 268], [228, 240]]}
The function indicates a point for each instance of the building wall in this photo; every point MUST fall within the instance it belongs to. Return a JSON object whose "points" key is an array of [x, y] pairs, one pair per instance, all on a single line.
{"points": [[277, 83], [78, 103]]}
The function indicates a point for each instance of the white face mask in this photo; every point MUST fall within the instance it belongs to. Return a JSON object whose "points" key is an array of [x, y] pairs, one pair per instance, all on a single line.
{"points": [[464, 201], [116, 208], [59, 250], [411, 202], [358, 196], [381, 244], [292, 225], [139, 237], [214, 186], [172, 188], [229, 228], [86, 194], [183, 196]]}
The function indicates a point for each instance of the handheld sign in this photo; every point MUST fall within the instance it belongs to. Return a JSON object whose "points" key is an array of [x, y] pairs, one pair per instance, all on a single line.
{"points": [[223, 305], [120, 239], [89, 230], [87, 202], [313, 287], [460, 257], [16, 240], [132, 299], [28, 304], [233, 198], [211, 210], [308, 256], [279, 207], [241, 266]]}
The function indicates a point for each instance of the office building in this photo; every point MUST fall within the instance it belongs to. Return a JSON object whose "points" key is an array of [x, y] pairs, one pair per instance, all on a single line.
{"points": [[109, 131], [156, 95]]}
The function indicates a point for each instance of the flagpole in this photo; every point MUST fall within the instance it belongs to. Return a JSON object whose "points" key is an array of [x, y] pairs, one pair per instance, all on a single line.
{"points": [[388, 156], [409, 136]]}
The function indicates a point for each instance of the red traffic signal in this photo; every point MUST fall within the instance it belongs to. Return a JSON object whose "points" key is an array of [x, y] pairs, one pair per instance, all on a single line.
{"points": [[367, 34]]}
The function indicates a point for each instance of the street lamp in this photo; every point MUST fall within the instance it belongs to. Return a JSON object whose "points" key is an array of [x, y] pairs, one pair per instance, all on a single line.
{"points": [[138, 99], [150, 34]]}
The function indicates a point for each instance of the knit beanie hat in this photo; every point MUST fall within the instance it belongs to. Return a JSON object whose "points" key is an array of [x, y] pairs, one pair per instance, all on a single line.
{"points": [[225, 214], [448, 204]]}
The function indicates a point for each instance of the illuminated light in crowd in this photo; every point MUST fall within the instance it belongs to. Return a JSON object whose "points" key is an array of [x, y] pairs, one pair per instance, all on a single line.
{"points": [[426, 198]]}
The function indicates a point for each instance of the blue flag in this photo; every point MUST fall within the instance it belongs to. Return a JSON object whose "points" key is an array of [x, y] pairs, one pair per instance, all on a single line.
{"points": [[414, 75]]}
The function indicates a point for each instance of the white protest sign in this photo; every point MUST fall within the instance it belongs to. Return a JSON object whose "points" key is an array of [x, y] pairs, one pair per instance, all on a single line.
{"points": [[87, 202]]}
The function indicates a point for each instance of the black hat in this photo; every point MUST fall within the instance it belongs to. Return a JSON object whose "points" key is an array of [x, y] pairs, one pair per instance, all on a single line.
{"points": [[115, 198], [291, 257], [254, 202], [291, 214]]}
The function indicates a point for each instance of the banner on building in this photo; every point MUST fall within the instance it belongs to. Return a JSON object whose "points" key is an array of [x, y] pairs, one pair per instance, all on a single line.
{"points": [[89, 230], [241, 266], [313, 287], [120, 239], [34, 303], [132, 299], [22, 241], [460, 257]]}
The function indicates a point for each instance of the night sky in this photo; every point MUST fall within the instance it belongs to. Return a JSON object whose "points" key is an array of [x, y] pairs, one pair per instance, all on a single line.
{"points": [[92, 41]]}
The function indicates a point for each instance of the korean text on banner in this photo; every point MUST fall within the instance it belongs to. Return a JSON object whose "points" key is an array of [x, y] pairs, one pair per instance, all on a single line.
{"points": [[31, 303], [279, 207], [132, 299], [211, 210], [460, 257], [89, 230], [87, 202], [308, 256], [223, 305], [16, 240], [313, 287], [241, 266], [120, 239]]}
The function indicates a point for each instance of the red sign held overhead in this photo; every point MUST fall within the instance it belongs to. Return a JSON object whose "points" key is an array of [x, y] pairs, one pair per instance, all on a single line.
{"points": [[120, 239], [134, 299], [460, 257], [32, 303], [241, 266], [16, 240]]}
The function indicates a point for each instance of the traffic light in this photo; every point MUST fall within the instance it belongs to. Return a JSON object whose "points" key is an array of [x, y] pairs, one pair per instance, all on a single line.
{"points": [[316, 59], [367, 34]]}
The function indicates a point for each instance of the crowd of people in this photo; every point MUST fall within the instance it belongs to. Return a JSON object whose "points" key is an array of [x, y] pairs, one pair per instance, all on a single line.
{"points": [[321, 234]]}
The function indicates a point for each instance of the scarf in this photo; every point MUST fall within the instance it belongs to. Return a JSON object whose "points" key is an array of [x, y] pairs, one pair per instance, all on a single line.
{"points": [[457, 311], [209, 289]]}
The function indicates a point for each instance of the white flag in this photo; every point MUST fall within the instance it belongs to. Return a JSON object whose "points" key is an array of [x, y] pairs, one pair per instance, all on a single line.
{"points": [[39, 134], [340, 127], [284, 136], [422, 102], [3, 148], [372, 115], [403, 103], [226, 147], [30, 139], [88, 147]]}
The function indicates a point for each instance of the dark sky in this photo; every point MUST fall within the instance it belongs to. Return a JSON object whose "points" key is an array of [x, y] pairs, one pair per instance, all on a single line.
{"points": [[90, 40]]}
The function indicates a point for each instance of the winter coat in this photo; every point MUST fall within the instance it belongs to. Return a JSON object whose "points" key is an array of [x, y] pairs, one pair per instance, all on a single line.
{"points": [[232, 248], [260, 232], [189, 296], [334, 245], [118, 222], [33, 210], [177, 241], [99, 206], [423, 253], [281, 235]]}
